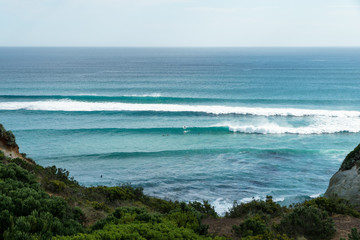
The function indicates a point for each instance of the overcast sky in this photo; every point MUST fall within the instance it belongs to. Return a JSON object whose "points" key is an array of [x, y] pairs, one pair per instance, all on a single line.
{"points": [[180, 23]]}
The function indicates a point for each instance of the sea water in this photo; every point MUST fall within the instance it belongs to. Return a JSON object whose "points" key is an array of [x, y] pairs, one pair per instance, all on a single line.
{"points": [[217, 124]]}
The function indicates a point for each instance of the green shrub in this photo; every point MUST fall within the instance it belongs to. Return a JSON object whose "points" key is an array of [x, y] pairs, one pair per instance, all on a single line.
{"points": [[7, 137], [5, 220], [47, 175], [268, 236], [141, 231], [351, 159], [138, 214], [308, 221], [2, 156], [354, 235], [100, 206], [185, 218], [60, 174], [252, 226], [160, 205], [27, 211], [56, 186], [204, 208], [127, 214], [124, 192], [267, 207], [333, 205]]}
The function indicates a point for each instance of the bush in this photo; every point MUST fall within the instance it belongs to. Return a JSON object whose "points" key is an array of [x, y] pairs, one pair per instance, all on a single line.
{"points": [[56, 186], [204, 208], [333, 205], [51, 178], [188, 219], [267, 207], [124, 192], [60, 174], [127, 214], [7, 137], [160, 205], [268, 236], [100, 206], [2, 156], [26, 210], [252, 226], [308, 221], [354, 235], [137, 223], [141, 231], [351, 159]]}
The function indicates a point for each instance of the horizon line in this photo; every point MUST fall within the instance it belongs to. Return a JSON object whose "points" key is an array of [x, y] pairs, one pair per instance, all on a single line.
{"points": [[314, 46]]}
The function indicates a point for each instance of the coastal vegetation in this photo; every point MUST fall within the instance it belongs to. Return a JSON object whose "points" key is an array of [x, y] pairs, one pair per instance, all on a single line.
{"points": [[39, 202], [353, 158], [7, 137]]}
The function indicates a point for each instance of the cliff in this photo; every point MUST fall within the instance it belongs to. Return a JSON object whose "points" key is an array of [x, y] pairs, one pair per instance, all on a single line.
{"points": [[8, 144], [346, 182]]}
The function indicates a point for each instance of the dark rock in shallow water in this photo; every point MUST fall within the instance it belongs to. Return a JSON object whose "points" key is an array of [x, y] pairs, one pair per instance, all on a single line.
{"points": [[346, 182]]}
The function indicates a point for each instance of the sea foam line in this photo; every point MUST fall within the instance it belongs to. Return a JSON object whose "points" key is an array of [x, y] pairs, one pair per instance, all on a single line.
{"points": [[71, 105], [264, 128], [316, 128]]}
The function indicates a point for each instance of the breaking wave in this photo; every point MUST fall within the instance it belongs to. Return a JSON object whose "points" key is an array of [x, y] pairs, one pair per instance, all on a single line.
{"points": [[71, 105]]}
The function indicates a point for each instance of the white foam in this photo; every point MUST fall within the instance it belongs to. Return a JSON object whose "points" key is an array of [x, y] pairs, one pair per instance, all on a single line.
{"points": [[222, 205], [279, 199], [257, 198], [80, 94], [248, 199], [72, 105], [144, 95], [315, 195], [319, 125]]}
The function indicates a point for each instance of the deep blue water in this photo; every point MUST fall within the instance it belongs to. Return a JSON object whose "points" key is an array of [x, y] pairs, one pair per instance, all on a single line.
{"points": [[221, 124]]}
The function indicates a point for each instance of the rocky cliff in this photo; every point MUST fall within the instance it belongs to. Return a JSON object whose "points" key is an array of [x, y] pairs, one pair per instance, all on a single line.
{"points": [[346, 182], [8, 144]]}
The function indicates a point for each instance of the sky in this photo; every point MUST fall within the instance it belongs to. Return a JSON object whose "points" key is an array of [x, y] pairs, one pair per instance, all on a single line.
{"points": [[180, 23]]}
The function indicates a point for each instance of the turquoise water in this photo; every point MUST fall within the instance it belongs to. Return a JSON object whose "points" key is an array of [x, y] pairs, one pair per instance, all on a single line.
{"points": [[221, 124]]}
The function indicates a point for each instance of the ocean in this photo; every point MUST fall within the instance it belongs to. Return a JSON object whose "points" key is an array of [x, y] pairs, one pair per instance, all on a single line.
{"points": [[217, 124]]}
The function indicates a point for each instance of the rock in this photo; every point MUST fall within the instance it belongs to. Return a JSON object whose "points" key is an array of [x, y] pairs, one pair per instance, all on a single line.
{"points": [[9, 147], [346, 182], [7, 138]]}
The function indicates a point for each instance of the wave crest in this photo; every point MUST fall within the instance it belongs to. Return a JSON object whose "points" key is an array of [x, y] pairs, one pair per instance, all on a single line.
{"points": [[320, 125], [71, 105]]}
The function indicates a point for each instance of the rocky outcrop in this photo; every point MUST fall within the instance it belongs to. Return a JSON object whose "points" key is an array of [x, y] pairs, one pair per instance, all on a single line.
{"points": [[8, 145], [346, 182]]}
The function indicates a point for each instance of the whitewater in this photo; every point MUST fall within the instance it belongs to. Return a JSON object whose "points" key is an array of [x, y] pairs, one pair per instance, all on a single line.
{"points": [[69, 105]]}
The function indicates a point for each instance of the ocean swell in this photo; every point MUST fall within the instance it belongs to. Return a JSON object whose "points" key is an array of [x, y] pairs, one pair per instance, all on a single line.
{"points": [[71, 105], [266, 128]]}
